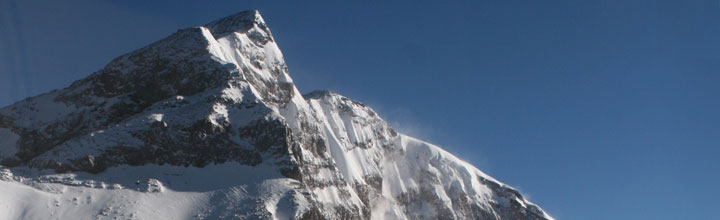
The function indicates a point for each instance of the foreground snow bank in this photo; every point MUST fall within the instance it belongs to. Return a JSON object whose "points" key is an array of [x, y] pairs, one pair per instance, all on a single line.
{"points": [[150, 192]]}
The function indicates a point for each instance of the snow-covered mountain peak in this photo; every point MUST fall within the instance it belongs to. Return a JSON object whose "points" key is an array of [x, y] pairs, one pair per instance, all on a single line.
{"points": [[216, 103]]}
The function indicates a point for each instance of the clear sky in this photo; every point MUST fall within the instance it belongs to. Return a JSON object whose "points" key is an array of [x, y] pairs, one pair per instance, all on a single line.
{"points": [[594, 109]]}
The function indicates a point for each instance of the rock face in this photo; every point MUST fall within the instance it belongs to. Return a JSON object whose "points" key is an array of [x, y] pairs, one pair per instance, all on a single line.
{"points": [[221, 94]]}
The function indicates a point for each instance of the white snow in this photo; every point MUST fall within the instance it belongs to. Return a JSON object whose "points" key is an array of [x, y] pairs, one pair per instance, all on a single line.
{"points": [[19, 201], [220, 113], [185, 193], [156, 117]]}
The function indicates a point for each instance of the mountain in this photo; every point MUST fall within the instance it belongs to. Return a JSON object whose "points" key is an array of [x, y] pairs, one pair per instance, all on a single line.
{"points": [[208, 124]]}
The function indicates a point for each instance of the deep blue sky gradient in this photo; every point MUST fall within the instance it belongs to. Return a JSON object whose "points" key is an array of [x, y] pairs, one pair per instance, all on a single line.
{"points": [[595, 109]]}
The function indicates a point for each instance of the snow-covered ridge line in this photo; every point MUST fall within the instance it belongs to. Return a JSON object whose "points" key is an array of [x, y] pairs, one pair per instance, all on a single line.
{"points": [[406, 167]]}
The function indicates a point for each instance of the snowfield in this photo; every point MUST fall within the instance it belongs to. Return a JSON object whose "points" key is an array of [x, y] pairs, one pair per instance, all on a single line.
{"points": [[148, 192]]}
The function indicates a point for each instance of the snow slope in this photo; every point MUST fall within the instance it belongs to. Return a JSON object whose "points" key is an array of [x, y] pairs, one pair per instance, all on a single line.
{"points": [[208, 124], [151, 192]]}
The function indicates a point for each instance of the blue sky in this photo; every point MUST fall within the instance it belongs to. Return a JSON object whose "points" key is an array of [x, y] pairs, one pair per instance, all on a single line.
{"points": [[595, 109]]}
